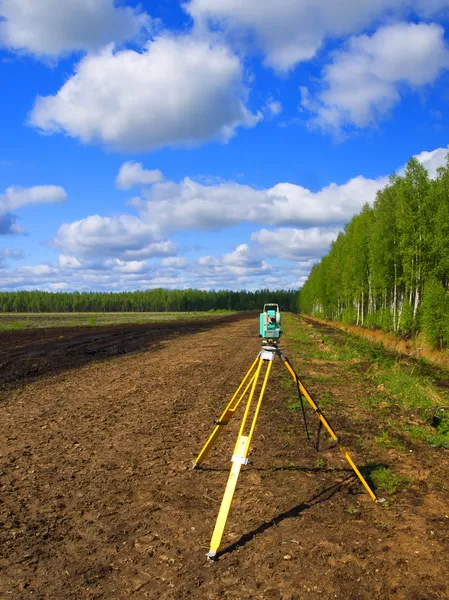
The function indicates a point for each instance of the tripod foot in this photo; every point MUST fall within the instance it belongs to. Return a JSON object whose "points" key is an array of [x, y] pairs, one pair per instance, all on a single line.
{"points": [[212, 556], [195, 465]]}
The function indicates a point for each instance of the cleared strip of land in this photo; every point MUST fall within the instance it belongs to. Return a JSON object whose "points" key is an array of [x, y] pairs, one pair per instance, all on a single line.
{"points": [[99, 501]]}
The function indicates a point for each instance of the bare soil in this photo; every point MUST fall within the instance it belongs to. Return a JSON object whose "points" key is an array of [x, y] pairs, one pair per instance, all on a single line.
{"points": [[29, 354], [98, 499]]}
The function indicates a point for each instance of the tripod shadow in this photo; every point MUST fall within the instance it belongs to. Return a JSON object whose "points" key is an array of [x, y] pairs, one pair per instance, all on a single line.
{"points": [[322, 496]]}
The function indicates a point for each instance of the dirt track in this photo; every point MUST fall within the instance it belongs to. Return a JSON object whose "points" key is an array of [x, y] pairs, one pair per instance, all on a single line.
{"points": [[98, 499]]}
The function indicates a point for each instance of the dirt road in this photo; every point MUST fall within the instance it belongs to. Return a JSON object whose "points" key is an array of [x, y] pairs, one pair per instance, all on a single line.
{"points": [[98, 500]]}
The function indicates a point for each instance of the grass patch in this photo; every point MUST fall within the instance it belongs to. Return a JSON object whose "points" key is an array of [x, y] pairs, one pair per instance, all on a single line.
{"points": [[387, 481], [13, 326], [19, 321], [409, 391], [427, 435], [387, 440]]}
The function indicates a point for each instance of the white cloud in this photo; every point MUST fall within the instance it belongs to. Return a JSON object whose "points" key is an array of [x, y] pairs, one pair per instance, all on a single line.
{"points": [[433, 160], [175, 262], [18, 197], [291, 31], [365, 81], [132, 173], [54, 27], [295, 244], [11, 253], [132, 266], [124, 237], [191, 205], [275, 107], [184, 91], [69, 262], [38, 270], [241, 263]]}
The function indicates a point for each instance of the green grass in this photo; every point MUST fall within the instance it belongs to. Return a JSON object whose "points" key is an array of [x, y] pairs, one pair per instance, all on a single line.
{"points": [[400, 386], [387, 440], [387, 481], [19, 321], [428, 435], [408, 391]]}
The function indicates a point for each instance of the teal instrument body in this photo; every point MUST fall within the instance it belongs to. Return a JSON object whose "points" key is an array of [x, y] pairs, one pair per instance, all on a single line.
{"points": [[270, 322]]}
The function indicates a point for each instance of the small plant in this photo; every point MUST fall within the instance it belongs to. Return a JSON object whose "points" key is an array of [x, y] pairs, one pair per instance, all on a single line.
{"points": [[320, 463], [385, 480], [351, 510], [91, 322]]}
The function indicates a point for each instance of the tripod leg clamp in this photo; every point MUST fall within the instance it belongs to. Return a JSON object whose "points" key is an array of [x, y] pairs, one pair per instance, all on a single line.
{"points": [[239, 459]]}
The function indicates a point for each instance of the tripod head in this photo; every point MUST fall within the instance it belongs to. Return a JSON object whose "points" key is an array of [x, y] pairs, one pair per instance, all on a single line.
{"points": [[270, 323]]}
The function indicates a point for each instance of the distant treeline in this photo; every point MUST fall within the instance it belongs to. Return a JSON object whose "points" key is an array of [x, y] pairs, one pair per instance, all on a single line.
{"points": [[157, 300], [390, 266]]}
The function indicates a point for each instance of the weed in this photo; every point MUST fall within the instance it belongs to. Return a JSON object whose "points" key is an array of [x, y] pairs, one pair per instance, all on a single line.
{"points": [[351, 510], [320, 463], [385, 480]]}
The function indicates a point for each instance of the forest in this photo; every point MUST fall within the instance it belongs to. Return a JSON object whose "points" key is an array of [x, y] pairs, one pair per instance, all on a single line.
{"points": [[155, 300], [389, 267]]}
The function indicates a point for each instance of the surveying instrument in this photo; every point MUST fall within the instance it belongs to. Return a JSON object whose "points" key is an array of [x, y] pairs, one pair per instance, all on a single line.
{"points": [[270, 332]]}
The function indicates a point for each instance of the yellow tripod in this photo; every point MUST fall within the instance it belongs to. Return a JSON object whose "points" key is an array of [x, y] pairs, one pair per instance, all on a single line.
{"points": [[241, 451]]}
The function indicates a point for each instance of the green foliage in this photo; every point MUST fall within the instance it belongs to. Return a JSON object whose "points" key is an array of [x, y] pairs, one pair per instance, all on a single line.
{"points": [[429, 436], [157, 300], [434, 314], [387, 481], [443, 425], [388, 259]]}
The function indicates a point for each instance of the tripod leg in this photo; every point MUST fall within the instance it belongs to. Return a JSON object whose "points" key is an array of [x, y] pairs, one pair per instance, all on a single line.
{"points": [[227, 414], [239, 458], [326, 424]]}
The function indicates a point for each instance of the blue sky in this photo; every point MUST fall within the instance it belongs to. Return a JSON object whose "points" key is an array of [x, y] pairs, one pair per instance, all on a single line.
{"points": [[210, 144]]}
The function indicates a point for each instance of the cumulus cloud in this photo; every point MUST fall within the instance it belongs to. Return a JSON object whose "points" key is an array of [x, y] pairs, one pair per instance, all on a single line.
{"points": [[175, 262], [124, 237], [295, 244], [365, 81], [17, 197], [240, 263], [433, 160], [132, 173], [184, 91], [53, 27], [191, 205], [289, 32]]}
